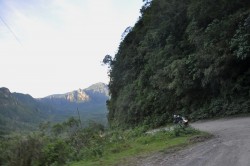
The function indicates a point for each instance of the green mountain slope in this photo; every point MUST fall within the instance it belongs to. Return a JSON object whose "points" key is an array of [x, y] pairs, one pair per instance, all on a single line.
{"points": [[19, 112], [190, 57]]}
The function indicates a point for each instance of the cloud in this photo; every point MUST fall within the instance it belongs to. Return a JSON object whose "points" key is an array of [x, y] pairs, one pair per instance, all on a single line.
{"points": [[63, 41]]}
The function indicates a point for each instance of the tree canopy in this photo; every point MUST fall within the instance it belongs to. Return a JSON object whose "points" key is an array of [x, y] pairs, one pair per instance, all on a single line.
{"points": [[190, 57]]}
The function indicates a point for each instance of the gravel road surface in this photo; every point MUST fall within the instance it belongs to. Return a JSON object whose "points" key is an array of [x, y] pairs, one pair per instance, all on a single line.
{"points": [[229, 147]]}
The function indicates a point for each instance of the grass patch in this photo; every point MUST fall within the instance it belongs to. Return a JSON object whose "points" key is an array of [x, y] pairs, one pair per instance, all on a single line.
{"points": [[141, 145]]}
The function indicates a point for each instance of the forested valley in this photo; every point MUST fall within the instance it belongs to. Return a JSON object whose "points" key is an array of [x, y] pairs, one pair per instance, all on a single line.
{"points": [[188, 57]]}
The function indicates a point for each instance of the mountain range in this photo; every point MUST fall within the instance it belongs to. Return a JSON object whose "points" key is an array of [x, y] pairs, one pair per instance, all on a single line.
{"points": [[21, 111]]}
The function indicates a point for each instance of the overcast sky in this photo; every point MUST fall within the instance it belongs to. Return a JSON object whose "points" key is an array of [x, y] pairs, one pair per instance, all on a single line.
{"points": [[55, 46]]}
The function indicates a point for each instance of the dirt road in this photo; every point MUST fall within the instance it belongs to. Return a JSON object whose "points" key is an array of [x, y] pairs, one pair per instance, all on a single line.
{"points": [[229, 147]]}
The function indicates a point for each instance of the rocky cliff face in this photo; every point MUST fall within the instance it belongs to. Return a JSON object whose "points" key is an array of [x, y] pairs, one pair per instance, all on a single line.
{"points": [[83, 95], [77, 96]]}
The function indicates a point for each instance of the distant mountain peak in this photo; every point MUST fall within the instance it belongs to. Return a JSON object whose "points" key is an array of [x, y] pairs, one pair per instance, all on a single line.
{"points": [[4, 90], [99, 84], [99, 88], [83, 95]]}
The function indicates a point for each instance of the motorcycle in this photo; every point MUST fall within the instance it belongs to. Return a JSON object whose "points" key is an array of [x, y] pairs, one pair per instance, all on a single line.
{"points": [[182, 121]]}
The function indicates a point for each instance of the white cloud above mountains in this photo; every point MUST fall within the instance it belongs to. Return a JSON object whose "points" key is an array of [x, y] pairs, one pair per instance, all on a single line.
{"points": [[62, 42]]}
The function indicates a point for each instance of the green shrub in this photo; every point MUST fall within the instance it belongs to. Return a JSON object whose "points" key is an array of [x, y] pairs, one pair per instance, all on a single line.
{"points": [[181, 131], [56, 153]]}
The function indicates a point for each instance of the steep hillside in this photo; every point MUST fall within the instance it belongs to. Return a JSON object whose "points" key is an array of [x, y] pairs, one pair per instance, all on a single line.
{"points": [[19, 111], [190, 57]]}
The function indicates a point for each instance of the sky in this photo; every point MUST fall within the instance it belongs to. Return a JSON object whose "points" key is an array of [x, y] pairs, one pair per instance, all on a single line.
{"points": [[56, 46]]}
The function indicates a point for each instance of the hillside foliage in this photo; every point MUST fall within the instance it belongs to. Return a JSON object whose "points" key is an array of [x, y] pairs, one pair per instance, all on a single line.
{"points": [[52, 144], [68, 143], [190, 57]]}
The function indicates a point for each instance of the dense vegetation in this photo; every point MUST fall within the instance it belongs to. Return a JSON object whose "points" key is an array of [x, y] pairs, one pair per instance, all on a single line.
{"points": [[68, 143], [190, 57], [19, 112], [50, 145]]}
